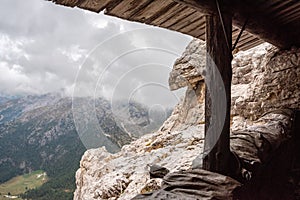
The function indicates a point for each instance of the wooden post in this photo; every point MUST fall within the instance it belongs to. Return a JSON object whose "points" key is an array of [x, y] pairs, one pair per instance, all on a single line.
{"points": [[219, 55]]}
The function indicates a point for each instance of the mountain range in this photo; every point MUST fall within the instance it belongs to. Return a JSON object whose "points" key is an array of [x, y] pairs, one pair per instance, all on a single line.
{"points": [[51, 132]]}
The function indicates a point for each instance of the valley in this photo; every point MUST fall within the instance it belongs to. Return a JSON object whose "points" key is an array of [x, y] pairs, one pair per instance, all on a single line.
{"points": [[20, 184], [38, 132]]}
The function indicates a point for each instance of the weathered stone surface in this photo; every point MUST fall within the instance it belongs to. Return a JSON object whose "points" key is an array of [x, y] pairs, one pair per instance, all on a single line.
{"points": [[272, 79], [125, 174], [188, 68], [264, 78], [258, 73], [189, 112]]}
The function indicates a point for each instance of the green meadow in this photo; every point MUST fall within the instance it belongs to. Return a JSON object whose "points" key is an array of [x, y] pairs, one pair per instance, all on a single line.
{"points": [[20, 184]]}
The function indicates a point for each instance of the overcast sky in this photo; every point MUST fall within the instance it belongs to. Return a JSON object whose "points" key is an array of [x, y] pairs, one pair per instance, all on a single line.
{"points": [[46, 47]]}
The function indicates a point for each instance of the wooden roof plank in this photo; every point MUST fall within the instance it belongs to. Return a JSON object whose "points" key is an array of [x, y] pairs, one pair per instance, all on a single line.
{"points": [[195, 17], [177, 8], [94, 5], [246, 36], [275, 5], [285, 18], [162, 12], [179, 16], [293, 19], [270, 3], [235, 33], [269, 19], [246, 41], [127, 8], [258, 24], [70, 3], [251, 44], [152, 10], [199, 22], [234, 28], [195, 33], [194, 29], [202, 36], [285, 9]]}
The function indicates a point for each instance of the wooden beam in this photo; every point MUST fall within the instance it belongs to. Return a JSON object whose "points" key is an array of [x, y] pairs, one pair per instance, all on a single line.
{"points": [[218, 62], [259, 23], [204, 6], [265, 29]]}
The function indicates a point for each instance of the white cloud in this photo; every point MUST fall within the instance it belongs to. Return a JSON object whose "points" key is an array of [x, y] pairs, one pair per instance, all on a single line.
{"points": [[12, 49], [42, 46], [12, 80], [74, 53]]}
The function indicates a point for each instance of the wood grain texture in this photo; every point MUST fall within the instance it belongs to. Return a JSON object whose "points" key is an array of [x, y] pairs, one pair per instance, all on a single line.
{"points": [[70, 3], [167, 15], [94, 5], [179, 16], [152, 10], [198, 24], [218, 62], [127, 8], [193, 18], [273, 21]]}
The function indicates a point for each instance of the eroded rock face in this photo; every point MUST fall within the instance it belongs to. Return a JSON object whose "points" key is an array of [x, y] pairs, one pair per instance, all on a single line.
{"points": [[189, 112], [264, 79], [188, 68], [272, 78], [123, 175]]}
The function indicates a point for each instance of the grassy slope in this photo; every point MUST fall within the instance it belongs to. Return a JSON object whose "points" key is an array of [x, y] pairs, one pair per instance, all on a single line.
{"points": [[18, 185]]}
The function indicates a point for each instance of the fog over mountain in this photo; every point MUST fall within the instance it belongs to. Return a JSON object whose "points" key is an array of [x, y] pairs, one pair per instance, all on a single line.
{"points": [[90, 53], [72, 79]]}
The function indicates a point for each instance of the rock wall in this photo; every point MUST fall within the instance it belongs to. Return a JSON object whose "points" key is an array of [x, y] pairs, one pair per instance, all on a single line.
{"points": [[188, 69], [125, 174], [269, 78], [264, 79]]}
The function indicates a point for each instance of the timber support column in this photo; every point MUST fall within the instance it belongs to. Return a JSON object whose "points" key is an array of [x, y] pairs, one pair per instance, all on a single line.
{"points": [[218, 62]]}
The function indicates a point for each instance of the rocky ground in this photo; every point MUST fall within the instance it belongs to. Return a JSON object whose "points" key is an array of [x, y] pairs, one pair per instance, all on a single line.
{"points": [[264, 79]]}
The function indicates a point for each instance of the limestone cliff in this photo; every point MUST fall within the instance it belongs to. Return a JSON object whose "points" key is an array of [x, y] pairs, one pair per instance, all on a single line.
{"points": [[264, 79]]}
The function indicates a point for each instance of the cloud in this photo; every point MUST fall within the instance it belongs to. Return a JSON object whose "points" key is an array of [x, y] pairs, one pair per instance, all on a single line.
{"points": [[43, 45]]}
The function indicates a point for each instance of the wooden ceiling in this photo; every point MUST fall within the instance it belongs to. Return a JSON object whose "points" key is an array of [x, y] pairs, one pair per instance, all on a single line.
{"points": [[274, 21]]}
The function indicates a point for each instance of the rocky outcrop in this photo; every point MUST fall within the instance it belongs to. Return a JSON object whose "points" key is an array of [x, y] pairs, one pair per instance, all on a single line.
{"points": [[264, 78], [270, 79], [180, 140], [188, 69], [125, 174]]}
